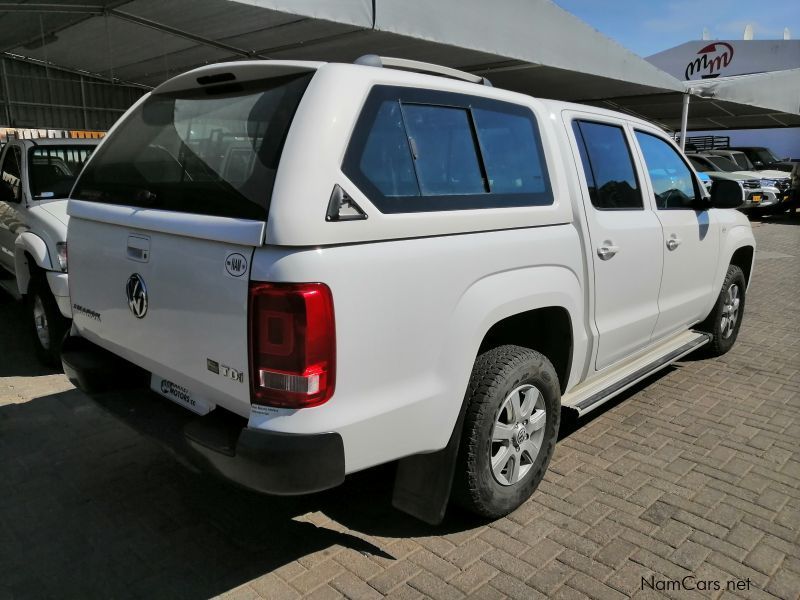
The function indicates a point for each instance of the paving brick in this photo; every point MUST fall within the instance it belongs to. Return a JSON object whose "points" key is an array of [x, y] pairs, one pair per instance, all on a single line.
{"points": [[594, 589], [765, 559], [354, 587], [784, 585], [690, 555], [615, 553], [476, 576]]}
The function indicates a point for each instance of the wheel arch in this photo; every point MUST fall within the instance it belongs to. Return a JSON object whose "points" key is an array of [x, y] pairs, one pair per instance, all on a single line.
{"points": [[547, 330], [742, 257], [30, 253], [546, 302]]}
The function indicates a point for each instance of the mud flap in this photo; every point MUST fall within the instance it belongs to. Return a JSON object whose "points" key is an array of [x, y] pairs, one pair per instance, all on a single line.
{"points": [[423, 481]]}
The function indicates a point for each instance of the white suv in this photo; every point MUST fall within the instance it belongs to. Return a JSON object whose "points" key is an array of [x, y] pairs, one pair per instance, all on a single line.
{"points": [[335, 266]]}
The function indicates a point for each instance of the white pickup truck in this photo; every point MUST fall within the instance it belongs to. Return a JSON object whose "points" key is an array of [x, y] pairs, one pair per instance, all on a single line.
{"points": [[37, 176], [335, 266]]}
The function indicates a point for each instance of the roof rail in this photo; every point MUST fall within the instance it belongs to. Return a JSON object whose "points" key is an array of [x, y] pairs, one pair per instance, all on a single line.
{"points": [[373, 60]]}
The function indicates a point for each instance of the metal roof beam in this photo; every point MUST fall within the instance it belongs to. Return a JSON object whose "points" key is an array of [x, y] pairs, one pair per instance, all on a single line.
{"points": [[57, 67], [42, 7], [124, 16]]}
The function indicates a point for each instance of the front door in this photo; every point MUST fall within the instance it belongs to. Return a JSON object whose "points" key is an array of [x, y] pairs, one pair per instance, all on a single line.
{"points": [[691, 237], [625, 237]]}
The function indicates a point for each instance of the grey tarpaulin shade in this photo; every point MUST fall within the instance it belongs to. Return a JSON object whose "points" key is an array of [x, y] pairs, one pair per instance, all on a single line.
{"points": [[751, 101], [531, 46]]}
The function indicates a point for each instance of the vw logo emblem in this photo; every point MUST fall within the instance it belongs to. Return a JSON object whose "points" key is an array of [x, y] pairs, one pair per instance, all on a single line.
{"points": [[520, 436], [136, 292]]}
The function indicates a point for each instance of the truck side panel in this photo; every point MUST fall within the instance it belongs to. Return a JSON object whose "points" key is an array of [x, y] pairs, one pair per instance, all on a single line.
{"points": [[410, 317]]}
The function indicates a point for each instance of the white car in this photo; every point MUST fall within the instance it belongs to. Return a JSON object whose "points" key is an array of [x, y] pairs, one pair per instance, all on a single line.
{"points": [[774, 184], [37, 176], [754, 196], [336, 266]]}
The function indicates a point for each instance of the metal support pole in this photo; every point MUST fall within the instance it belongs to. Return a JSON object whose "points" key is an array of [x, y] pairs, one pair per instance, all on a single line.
{"points": [[684, 120], [9, 115], [83, 105]]}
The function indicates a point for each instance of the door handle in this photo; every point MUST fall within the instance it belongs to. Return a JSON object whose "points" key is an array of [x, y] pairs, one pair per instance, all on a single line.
{"points": [[607, 250], [673, 243]]}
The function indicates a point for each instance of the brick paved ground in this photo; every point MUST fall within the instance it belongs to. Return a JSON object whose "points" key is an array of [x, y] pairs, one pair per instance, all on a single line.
{"points": [[696, 472]]}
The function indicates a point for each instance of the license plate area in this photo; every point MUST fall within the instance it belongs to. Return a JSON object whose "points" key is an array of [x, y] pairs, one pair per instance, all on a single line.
{"points": [[180, 395]]}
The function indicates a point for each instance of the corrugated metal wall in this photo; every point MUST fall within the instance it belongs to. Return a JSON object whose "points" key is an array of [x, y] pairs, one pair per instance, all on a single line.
{"points": [[32, 96]]}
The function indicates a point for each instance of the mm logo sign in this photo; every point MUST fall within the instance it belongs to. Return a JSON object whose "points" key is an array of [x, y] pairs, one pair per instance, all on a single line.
{"points": [[710, 60]]}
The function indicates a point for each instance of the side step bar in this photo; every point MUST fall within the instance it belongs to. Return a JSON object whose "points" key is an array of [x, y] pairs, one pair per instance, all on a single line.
{"points": [[591, 396]]}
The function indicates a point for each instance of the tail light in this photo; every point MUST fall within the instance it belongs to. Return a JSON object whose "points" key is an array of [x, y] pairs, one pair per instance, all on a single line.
{"points": [[292, 344]]}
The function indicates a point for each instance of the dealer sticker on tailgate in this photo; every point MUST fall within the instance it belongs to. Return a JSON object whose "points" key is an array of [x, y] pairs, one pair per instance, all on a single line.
{"points": [[180, 395]]}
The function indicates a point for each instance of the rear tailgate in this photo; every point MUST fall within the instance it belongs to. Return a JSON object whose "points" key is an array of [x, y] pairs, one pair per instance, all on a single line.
{"points": [[164, 221], [172, 304]]}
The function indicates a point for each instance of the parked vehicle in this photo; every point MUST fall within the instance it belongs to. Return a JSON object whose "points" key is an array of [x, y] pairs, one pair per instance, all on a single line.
{"points": [[764, 158], [37, 176], [754, 196], [337, 266], [775, 184]]}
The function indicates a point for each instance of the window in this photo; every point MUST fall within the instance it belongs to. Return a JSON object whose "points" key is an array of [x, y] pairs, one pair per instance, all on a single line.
{"points": [[720, 163], [423, 150], [386, 155], [608, 166], [11, 172], [701, 164], [443, 149], [510, 151], [211, 151], [674, 184], [52, 169]]}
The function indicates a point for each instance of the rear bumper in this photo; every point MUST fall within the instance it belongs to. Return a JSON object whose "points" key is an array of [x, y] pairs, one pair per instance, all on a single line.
{"points": [[219, 442]]}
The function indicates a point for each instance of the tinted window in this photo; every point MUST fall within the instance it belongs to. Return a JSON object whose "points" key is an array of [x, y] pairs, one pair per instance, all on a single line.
{"points": [[444, 150], [608, 166], [52, 169], [386, 156], [700, 164], [510, 152], [417, 150], [211, 151], [11, 171], [673, 182], [722, 164]]}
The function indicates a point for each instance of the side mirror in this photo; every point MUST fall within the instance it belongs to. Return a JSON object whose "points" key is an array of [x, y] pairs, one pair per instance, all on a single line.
{"points": [[6, 193], [726, 194]]}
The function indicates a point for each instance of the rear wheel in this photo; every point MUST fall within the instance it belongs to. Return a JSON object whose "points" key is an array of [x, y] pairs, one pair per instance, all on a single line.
{"points": [[726, 318], [48, 325], [510, 430]]}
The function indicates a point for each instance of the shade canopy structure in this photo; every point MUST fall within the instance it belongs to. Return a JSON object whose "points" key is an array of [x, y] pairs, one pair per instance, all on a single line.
{"points": [[759, 100], [530, 46]]}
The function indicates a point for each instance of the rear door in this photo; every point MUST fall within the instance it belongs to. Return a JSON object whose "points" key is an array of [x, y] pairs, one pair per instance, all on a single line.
{"points": [[164, 221], [691, 236], [625, 238]]}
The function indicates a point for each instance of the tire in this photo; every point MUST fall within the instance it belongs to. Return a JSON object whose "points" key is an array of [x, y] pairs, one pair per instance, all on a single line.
{"points": [[718, 323], [47, 324], [497, 376]]}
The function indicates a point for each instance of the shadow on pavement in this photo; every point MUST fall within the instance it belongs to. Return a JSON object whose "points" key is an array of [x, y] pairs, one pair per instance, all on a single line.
{"points": [[90, 509], [17, 358]]}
